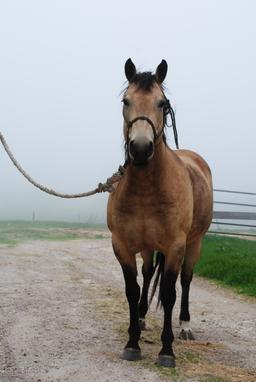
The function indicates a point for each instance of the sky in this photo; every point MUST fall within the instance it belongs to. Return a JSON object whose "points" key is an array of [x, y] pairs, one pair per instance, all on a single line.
{"points": [[62, 72]]}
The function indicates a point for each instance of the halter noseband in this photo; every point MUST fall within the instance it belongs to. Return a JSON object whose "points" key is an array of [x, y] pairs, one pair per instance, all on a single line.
{"points": [[167, 110], [143, 118]]}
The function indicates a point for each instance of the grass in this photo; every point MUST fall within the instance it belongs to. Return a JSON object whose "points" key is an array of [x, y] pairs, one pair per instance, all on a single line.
{"points": [[230, 261], [14, 232]]}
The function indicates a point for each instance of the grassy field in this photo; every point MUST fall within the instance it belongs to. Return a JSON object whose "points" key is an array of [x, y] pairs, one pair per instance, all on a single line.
{"points": [[14, 232], [227, 260], [230, 261]]}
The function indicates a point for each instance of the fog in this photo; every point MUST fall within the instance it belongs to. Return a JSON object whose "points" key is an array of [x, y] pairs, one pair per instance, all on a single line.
{"points": [[61, 74]]}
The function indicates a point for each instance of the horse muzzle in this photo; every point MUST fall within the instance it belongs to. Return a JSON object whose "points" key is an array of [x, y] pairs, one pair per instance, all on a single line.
{"points": [[140, 152]]}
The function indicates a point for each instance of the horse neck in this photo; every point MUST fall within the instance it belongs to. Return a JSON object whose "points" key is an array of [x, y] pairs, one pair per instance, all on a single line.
{"points": [[149, 176]]}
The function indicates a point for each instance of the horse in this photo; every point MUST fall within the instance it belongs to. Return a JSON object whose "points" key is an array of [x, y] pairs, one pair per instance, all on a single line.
{"points": [[161, 208]]}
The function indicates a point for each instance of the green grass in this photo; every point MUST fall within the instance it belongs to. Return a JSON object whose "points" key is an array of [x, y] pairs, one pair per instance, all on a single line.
{"points": [[230, 261], [14, 232]]}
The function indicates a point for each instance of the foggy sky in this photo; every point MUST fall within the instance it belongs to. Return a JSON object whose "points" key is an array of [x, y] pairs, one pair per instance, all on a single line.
{"points": [[61, 74]]}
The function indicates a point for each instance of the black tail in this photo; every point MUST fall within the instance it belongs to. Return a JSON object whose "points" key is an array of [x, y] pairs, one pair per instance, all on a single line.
{"points": [[159, 268]]}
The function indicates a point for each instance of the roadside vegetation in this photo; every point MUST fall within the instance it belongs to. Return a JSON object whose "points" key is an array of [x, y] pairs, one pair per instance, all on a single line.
{"points": [[14, 232], [230, 261]]}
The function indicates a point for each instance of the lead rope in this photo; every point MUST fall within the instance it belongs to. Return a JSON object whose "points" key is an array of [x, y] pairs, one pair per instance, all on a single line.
{"points": [[169, 110], [102, 187], [175, 133]]}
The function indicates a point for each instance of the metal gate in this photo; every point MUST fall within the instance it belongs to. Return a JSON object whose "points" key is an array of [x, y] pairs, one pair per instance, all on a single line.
{"points": [[232, 220]]}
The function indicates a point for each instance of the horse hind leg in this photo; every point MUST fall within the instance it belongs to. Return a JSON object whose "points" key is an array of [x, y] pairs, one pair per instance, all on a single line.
{"points": [[191, 257], [148, 270]]}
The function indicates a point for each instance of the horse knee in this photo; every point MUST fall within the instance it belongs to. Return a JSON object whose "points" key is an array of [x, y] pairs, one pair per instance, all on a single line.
{"points": [[132, 288], [186, 277], [167, 288]]}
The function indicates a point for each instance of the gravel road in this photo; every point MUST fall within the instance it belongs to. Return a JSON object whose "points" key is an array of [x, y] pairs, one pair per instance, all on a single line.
{"points": [[63, 317]]}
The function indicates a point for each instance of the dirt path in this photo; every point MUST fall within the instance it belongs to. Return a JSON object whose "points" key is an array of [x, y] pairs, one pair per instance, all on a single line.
{"points": [[63, 317]]}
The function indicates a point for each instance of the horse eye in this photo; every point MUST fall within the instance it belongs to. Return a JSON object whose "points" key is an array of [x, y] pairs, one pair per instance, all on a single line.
{"points": [[161, 103], [126, 102]]}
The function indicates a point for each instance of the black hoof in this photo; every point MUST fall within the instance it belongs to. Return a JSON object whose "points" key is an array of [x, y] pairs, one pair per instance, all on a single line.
{"points": [[142, 323], [186, 335], [131, 354], [166, 361]]}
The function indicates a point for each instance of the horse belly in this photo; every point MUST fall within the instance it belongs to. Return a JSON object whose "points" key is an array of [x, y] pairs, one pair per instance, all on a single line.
{"points": [[202, 211]]}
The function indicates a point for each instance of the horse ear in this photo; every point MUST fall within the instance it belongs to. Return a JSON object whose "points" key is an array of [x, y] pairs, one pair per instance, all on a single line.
{"points": [[161, 71], [130, 69]]}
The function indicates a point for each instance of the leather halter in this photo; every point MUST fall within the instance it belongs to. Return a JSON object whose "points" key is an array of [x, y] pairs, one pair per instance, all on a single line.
{"points": [[167, 110], [143, 118]]}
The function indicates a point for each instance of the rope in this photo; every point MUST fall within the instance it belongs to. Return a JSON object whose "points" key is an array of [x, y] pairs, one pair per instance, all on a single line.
{"points": [[102, 187]]}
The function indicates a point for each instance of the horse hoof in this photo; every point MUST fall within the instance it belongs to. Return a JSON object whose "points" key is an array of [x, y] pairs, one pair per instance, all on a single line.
{"points": [[186, 335], [131, 354], [166, 361], [142, 323]]}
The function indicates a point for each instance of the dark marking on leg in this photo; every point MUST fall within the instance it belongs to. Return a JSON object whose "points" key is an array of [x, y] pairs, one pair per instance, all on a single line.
{"points": [[147, 272], [168, 296], [132, 289], [185, 278]]}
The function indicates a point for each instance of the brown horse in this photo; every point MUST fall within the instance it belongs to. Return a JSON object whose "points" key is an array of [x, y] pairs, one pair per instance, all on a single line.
{"points": [[162, 204]]}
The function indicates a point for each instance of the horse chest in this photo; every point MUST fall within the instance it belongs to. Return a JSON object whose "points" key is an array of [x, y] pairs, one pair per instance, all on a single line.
{"points": [[144, 209], [143, 223]]}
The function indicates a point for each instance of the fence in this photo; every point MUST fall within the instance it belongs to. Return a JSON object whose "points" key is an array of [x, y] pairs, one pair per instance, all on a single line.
{"points": [[233, 218]]}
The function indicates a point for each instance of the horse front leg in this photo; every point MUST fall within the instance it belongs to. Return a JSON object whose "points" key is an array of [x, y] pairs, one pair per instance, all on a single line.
{"points": [[148, 270], [127, 261], [173, 261]]}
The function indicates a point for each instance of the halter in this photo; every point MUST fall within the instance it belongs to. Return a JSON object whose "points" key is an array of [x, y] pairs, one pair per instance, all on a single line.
{"points": [[143, 118], [166, 110]]}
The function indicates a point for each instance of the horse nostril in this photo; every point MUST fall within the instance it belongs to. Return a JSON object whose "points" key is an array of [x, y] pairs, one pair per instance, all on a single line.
{"points": [[150, 148], [141, 151], [132, 147]]}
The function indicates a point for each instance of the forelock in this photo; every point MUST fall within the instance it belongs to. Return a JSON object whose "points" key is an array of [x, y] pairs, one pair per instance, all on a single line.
{"points": [[144, 81]]}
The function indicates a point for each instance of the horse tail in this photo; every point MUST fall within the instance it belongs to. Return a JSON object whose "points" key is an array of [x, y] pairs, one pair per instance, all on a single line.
{"points": [[159, 269]]}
